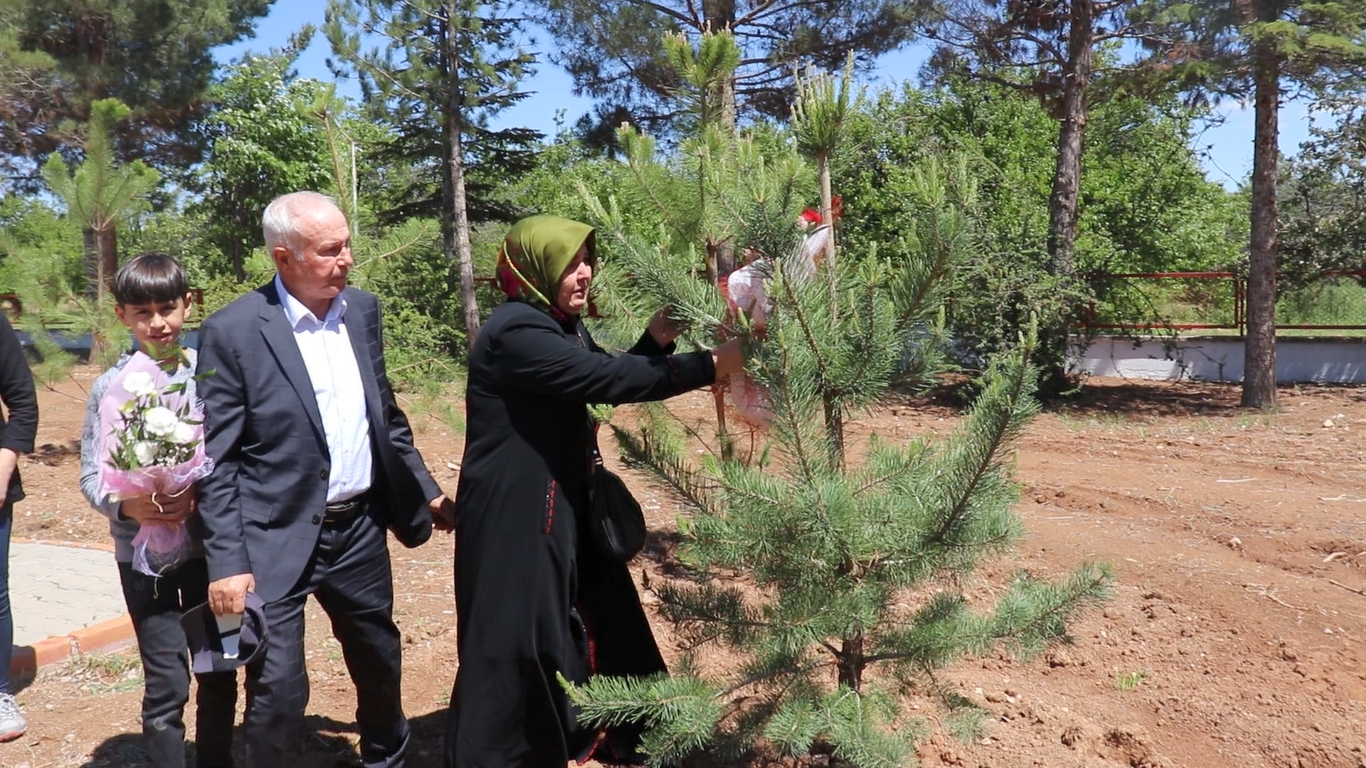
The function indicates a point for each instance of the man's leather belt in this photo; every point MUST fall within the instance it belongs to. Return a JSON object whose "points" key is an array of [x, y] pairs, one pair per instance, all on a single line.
{"points": [[345, 511]]}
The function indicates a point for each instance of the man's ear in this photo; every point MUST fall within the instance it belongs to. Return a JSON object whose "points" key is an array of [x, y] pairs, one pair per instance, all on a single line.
{"points": [[189, 302], [281, 256], [121, 315]]}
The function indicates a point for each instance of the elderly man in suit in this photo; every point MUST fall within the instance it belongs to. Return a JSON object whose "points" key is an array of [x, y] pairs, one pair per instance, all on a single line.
{"points": [[314, 460]]}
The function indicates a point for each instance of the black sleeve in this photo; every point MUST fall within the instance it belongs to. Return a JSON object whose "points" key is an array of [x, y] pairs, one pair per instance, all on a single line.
{"points": [[646, 346], [16, 390], [532, 354]]}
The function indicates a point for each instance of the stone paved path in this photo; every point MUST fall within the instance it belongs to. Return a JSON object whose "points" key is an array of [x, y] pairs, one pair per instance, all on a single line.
{"points": [[56, 589]]}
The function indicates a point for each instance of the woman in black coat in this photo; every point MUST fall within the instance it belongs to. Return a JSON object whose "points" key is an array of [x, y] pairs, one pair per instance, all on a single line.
{"points": [[534, 599]]}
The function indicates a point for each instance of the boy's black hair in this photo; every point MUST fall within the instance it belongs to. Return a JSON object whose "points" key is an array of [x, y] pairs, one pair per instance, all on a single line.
{"points": [[150, 278]]}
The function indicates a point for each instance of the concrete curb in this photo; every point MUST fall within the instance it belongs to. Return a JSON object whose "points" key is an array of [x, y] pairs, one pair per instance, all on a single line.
{"points": [[102, 546], [104, 636]]}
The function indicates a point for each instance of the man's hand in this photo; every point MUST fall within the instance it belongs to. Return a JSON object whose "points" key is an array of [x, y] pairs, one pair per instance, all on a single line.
{"points": [[229, 595], [443, 513], [160, 507]]}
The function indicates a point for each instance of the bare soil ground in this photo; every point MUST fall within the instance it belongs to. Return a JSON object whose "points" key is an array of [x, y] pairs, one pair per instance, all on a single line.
{"points": [[1234, 637]]}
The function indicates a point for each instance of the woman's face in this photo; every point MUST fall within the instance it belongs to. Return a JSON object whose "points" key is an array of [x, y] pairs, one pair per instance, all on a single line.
{"points": [[572, 296]]}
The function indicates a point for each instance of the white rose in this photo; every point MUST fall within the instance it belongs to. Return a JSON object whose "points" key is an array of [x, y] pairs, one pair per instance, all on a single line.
{"points": [[183, 434], [138, 384], [160, 421], [146, 451]]}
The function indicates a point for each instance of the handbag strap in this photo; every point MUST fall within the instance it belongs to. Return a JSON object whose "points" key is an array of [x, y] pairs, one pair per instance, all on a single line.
{"points": [[594, 454]]}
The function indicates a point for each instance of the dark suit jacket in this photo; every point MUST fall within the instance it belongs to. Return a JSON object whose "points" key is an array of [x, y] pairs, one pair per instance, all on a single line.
{"points": [[16, 390], [263, 504]]}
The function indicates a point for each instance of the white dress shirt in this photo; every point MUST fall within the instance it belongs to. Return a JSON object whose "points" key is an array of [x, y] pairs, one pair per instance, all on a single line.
{"points": [[331, 363]]}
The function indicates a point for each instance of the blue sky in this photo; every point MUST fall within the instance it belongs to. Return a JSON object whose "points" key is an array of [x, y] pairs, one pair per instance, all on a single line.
{"points": [[1226, 148]]}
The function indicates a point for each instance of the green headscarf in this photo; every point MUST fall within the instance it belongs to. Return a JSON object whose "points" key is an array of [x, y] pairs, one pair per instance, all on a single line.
{"points": [[536, 252]]}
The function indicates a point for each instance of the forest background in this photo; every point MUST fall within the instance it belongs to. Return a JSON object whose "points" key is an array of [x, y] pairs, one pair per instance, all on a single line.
{"points": [[1083, 123]]}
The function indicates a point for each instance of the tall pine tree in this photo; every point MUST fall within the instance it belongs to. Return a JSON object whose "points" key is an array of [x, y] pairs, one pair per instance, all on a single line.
{"points": [[1259, 49], [832, 545], [1049, 51], [100, 192], [442, 70], [153, 55]]}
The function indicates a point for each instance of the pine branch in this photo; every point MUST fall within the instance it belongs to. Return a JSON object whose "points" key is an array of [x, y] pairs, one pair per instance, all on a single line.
{"points": [[706, 612], [766, 676], [669, 467], [788, 413], [1005, 405]]}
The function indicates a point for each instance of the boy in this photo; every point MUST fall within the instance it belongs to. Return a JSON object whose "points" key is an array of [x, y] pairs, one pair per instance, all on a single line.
{"points": [[152, 297]]}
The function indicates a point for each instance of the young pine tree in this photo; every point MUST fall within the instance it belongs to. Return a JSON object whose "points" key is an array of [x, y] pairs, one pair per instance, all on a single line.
{"points": [[850, 563]]}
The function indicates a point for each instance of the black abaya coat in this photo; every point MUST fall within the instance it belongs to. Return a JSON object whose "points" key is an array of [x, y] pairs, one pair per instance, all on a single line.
{"points": [[532, 600]]}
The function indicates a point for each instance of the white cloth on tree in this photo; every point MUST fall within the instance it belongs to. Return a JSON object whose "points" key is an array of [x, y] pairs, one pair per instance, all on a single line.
{"points": [[745, 290]]}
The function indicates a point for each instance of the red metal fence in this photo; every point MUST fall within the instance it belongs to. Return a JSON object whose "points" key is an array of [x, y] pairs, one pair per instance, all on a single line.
{"points": [[1215, 301]]}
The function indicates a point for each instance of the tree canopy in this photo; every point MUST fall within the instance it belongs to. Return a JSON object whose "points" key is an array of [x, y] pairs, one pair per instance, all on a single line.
{"points": [[152, 55], [614, 50], [1234, 48]]}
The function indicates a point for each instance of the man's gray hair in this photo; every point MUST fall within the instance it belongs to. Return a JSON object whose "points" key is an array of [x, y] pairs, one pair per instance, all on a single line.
{"points": [[279, 221]]}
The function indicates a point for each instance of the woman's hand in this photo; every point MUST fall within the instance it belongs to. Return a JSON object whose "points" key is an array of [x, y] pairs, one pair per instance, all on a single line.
{"points": [[663, 328], [159, 507], [729, 358], [8, 461]]}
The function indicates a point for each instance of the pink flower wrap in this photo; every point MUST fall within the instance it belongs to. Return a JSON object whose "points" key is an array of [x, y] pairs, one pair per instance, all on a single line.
{"points": [[158, 547]]}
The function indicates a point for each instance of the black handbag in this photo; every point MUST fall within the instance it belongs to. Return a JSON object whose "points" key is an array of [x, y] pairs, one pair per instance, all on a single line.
{"points": [[616, 522]]}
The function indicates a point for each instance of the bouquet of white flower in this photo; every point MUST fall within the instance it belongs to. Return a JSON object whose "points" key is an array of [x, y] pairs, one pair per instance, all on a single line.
{"points": [[155, 446]]}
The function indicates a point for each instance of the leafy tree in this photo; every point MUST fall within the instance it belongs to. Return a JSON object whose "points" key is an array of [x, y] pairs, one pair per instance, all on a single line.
{"points": [[265, 140], [615, 52], [43, 264], [863, 534], [29, 94], [1145, 203], [1048, 51], [153, 55], [443, 70], [1322, 201], [100, 193], [1258, 49]]}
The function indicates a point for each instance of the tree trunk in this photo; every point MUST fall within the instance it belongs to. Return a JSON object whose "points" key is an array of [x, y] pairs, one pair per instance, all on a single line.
{"points": [[235, 255], [1062, 202], [851, 663], [109, 257], [834, 431], [101, 259], [1259, 351], [101, 262], [456, 167], [1063, 199], [716, 16], [94, 282]]}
